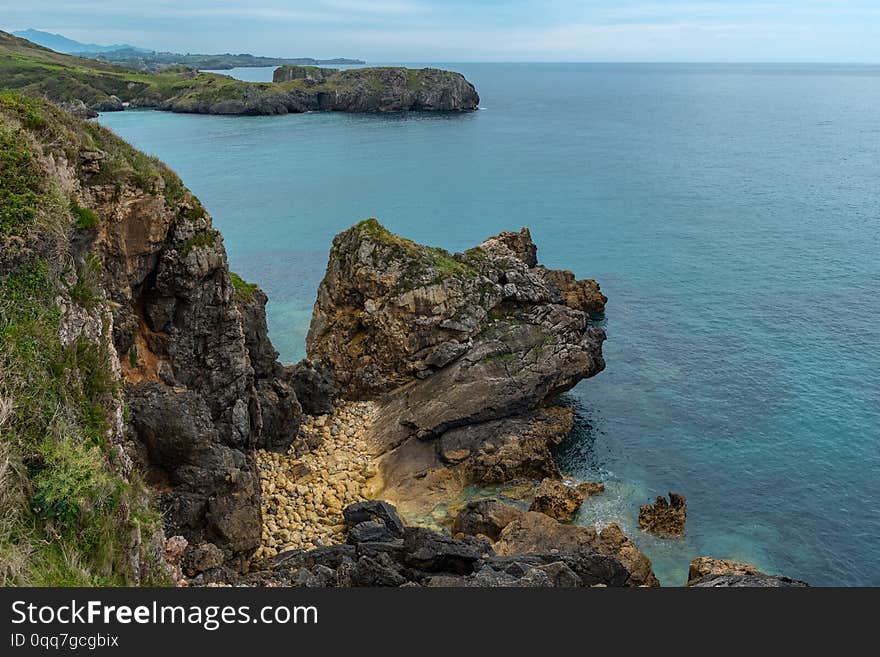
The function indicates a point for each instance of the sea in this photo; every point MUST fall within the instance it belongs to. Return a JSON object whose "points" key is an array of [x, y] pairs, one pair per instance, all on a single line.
{"points": [[731, 214]]}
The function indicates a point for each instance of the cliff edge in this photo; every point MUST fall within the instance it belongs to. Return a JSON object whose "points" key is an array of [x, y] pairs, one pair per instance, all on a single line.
{"points": [[146, 362]]}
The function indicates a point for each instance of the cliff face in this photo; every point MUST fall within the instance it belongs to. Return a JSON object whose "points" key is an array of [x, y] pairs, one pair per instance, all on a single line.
{"points": [[385, 89], [199, 380], [463, 352]]}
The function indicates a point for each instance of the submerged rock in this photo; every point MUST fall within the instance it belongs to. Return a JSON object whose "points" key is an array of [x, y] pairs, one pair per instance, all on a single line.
{"points": [[664, 518], [590, 488]]}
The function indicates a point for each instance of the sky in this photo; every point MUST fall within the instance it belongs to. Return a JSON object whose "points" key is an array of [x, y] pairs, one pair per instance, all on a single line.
{"points": [[475, 30]]}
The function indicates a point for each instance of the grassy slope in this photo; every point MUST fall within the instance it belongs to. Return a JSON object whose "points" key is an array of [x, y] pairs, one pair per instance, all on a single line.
{"points": [[67, 513]]}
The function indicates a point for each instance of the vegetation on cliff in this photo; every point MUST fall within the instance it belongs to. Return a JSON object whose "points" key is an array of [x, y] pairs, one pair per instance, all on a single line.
{"points": [[153, 61], [71, 80], [71, 513]]}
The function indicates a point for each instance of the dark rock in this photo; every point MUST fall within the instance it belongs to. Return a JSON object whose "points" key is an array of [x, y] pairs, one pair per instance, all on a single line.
{"points": [[369, 531], [664, 518], [760, 580], [319, 576], [361, 512], [394, 548], [432, 552], [484, 517], [707, 572], [200, 558], [314, 386], [378, 571], [213, 489]]}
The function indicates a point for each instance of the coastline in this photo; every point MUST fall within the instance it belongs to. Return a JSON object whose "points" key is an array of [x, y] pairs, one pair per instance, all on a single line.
{"points": [[511, 247]]}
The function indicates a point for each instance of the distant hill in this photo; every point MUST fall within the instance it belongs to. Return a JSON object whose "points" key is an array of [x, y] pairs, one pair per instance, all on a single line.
{"points": [[62, 44], [156, 61], [150, 60]]}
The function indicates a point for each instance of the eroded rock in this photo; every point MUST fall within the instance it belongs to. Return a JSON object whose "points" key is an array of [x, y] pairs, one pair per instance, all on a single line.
{"points": [[708, 572], [664, 518], [555, 499], [515, 532]]}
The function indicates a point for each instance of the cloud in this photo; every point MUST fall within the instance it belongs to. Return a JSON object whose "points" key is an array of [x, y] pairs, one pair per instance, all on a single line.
{"points": [[460, 30]]}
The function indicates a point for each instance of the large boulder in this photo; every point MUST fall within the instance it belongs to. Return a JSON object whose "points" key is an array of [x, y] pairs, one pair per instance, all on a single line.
{"points": [[314, 386], [374, 511]]}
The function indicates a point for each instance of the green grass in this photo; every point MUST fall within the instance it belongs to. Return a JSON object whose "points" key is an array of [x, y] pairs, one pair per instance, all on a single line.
{"points": [[244, 291], [68, 527], [84, 219], [198, 241], [20, 183], [26, 109], [427, 264], [86, 290]]}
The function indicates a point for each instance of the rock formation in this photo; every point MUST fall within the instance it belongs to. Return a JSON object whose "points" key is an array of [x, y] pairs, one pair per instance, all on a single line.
{"points": [[590, 488], [201, 383], [463, 352], [513, 533], [557, 500], [664, 518], [202, 379], [382, 551], [707, 572]]}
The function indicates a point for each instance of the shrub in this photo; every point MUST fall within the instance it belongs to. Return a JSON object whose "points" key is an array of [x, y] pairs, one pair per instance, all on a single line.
{"points": [[244, 291], [20, 183], [85, 219]]}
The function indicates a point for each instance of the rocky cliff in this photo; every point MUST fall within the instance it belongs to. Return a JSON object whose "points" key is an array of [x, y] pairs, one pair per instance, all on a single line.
{"points": [[135, 271], [138, 388], [465, 354], [383, 89]]}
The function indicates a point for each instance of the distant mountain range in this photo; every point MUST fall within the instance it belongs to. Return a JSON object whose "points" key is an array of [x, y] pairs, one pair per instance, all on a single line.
{"points": [[151, 60], [62, 44]]}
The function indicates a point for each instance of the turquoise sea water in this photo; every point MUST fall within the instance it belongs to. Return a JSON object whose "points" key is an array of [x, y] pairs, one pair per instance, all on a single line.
{"points": [[732, 216]]}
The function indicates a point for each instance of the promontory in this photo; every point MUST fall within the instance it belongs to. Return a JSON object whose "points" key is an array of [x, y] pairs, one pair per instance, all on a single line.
{"points": [[86, 86]]}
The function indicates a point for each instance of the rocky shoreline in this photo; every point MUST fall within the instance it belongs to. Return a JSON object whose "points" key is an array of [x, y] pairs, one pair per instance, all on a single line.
{"points": [[429, 374]]}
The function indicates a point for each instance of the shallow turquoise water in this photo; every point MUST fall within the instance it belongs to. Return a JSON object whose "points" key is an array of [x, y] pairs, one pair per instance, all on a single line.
{"points": [[732, 215]]}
